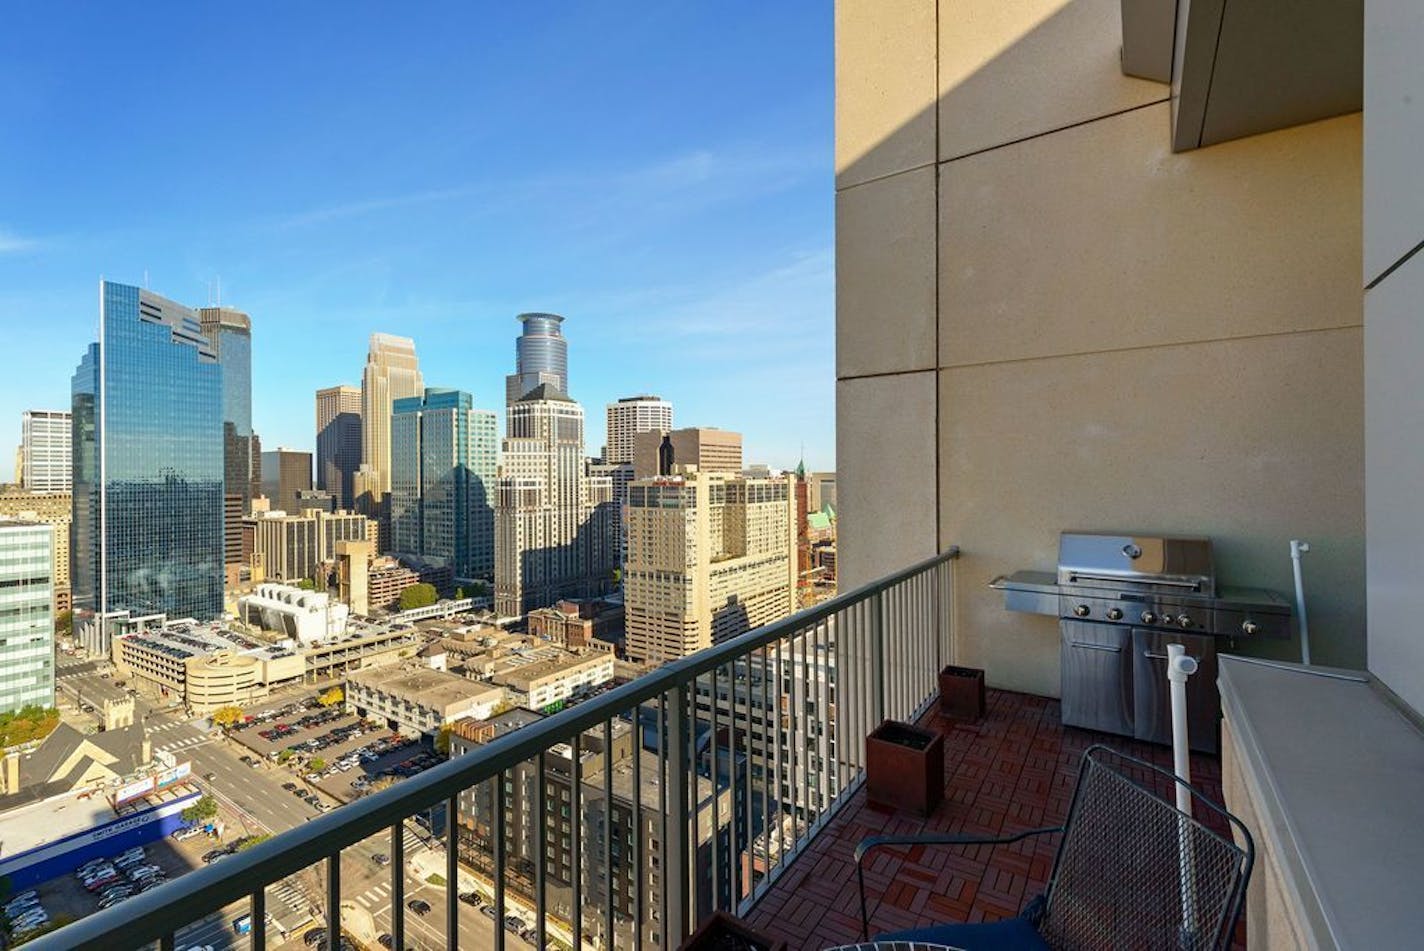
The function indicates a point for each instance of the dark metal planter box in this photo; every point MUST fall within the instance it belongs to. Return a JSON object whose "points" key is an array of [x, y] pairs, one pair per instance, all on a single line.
{"points": [[904, 767], [961, 693], [723, 932]]}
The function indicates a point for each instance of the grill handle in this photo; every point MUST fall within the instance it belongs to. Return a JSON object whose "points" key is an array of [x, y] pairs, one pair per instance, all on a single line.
{"points": [[1156, 656], [1163, 582], [1096, 647]]}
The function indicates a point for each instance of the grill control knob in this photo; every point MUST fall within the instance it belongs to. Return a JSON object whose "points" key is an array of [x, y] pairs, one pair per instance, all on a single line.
{"points": [[1148, 617], [1250, 627], [1114, 614], [1184, 621], [1081, 610]]}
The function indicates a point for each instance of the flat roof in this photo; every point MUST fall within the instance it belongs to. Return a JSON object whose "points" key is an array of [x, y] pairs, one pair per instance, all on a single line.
{"points": [[426, 687]]}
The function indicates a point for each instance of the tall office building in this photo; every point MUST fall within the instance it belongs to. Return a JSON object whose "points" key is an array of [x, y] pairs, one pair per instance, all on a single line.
{"points": [[628, 417], [444, 458], [148, 461], [338, 442], [541, 355], [707, 448], [556, 526], [710, 556], [392, 373], [285, 472], [230, 331], [26, 615], [293, 547], [45, 447], [55, 510]]}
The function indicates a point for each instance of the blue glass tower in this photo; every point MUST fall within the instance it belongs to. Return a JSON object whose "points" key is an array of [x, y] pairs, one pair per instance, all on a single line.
{"points": [[443, 462], [149, 467]]}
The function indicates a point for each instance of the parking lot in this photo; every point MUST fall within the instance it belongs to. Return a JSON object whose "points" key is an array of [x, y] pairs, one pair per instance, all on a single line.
{"points": [[354, 753]]}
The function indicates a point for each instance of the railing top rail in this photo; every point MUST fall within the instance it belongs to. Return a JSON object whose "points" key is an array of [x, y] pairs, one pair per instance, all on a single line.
{"points": [[149, 915]]}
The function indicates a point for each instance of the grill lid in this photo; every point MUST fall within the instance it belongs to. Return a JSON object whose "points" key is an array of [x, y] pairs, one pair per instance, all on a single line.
{"points": [[1144, 562]]}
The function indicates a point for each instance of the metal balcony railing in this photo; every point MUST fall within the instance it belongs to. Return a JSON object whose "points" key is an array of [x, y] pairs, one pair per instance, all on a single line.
{"points": [[741, 754]]}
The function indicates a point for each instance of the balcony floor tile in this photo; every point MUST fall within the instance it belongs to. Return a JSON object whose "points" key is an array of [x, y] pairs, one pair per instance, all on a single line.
{"points": [[1013, 770]]}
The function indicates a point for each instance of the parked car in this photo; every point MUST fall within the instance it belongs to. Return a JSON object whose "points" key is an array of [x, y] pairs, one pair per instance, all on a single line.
{"points": [[470, 898], [290, 786], [513, 923], [419, 905], [488, 911]]}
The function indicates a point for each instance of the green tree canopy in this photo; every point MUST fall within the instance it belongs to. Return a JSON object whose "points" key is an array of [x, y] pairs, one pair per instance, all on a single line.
{"points": [[420, 595], [317, 764], [64, 622], [201, 811]]}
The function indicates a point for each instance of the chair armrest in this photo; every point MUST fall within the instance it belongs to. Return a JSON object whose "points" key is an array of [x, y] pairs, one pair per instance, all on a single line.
{"points": [[944, 838], [870, 843]]}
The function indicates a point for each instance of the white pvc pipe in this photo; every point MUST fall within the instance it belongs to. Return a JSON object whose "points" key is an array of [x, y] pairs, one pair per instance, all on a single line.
{"points": [[1298, 548], [1180, 666]]}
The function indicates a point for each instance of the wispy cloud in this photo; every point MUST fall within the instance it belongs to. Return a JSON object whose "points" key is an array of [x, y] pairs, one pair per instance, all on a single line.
{"points": [[676, 184], [11, 243]]}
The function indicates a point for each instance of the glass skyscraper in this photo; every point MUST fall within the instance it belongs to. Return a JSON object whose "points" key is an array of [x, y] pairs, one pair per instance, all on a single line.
{"points": [[148, 461], [230, 331], [26, 615], [541, 355], [443, 460]]}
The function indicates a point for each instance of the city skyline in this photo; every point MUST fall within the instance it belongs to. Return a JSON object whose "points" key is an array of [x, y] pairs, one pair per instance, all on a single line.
{"points": [[663, 234]]}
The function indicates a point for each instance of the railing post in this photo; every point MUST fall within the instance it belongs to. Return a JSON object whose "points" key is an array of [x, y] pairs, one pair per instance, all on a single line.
{"points": [[877, 657], [676, 876]]}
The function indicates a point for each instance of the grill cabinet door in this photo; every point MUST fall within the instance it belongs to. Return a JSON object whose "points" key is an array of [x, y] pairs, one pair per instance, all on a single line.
{"points": [[1152, 693], [1096, 683]]}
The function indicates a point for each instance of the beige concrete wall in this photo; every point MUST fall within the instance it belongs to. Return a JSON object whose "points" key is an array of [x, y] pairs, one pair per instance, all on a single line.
{"points": [[1047, 320], [1394, 341]]}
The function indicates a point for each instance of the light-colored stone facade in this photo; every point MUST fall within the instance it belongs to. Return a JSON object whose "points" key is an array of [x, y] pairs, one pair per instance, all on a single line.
{"points": [[1047, 320], [709, 557]]}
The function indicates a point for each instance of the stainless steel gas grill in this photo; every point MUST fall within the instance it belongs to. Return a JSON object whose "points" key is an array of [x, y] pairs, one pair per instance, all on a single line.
{"points": [[1120, 600]]}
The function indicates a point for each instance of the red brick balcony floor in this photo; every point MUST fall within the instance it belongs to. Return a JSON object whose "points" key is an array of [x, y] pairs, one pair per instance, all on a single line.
{"points": [[1012, 771]]}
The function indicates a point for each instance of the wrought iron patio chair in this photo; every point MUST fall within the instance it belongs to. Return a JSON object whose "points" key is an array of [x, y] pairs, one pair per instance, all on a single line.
{"points": [[1131, 871]]}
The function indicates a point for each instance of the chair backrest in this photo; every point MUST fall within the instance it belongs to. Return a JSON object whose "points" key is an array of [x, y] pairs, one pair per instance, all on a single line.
{"points": [[1133, 871]]}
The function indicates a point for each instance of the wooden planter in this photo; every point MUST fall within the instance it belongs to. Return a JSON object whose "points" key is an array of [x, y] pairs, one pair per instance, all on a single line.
{"points": [[722, 932], [961, 693], [904, 767]]}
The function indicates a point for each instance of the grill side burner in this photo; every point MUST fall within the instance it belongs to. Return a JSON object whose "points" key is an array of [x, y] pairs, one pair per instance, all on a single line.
{"points": [[1120, 600]]}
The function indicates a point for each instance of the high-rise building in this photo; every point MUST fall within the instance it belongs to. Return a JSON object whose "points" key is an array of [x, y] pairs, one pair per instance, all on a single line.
{"points": [[444, 457], [230, 331], [707, 448], [556, 526], [57, 511], [285, 472], [822, 492], [338, 441], [148, 461], [392, 373], [294, 547], [45, 448], [541, 355], [628, 417], [26, 615], [710, 556]]}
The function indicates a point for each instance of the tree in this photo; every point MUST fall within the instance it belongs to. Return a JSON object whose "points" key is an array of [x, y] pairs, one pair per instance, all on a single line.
{"points": [[460, 594], [201, 811], [284, 755], [317, 764], [307, 584], [420, 595], [442, 741], [617, 577], [331, 697], [64, 622], [252, 840], [227, 717]]}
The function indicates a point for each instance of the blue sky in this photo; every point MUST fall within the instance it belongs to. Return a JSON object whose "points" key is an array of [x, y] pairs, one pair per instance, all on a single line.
{"points": [[659, 173]]}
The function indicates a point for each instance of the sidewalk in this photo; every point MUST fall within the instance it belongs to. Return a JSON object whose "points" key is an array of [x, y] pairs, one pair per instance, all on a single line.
{"points": [[429, 862]]}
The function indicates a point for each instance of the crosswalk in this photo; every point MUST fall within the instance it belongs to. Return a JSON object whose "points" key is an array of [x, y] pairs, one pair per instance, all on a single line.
{"points": [[183, 744], [375, 898], [289, 895]]}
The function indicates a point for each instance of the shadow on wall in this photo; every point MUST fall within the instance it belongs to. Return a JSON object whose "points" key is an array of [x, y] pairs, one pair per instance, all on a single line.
{"points": [[1117, 336]]}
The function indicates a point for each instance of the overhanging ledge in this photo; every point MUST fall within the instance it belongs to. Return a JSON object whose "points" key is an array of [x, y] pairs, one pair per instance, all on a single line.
{"points": [[1330, 770]]}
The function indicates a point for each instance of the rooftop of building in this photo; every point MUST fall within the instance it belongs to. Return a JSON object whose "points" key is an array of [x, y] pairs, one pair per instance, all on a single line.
{"points": [[545, 392], [520, 675], [482, 731], [187, 638], [120, 750], [424, 686]]}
